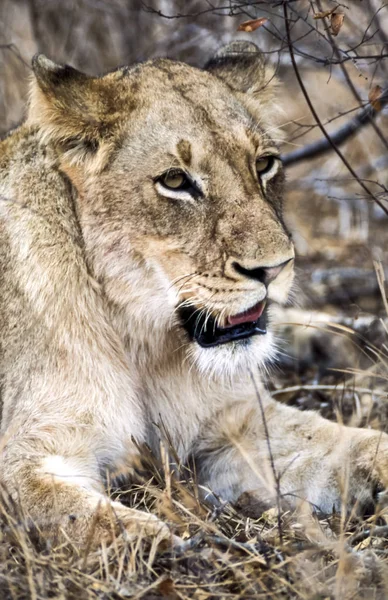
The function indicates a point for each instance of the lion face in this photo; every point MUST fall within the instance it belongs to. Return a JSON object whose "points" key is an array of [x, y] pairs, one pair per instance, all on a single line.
{"points": [[180, 197]]}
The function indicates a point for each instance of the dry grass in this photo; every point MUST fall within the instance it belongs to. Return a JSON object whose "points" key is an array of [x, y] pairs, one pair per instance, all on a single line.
{"points": [[224, 555]]}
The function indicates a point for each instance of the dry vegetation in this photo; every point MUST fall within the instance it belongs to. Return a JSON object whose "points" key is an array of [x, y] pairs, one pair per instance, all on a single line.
{"points": [[336, 207]]}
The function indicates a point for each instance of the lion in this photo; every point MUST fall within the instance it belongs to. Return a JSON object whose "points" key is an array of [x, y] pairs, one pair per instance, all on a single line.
{"points": [[142, 252]]}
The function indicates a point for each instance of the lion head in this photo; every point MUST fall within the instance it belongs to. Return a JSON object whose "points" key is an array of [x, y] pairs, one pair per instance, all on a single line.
{"points": [[179, 196]]}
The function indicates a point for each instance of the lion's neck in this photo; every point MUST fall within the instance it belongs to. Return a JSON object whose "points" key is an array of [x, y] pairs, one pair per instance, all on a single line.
{"points": [[177, 397]]}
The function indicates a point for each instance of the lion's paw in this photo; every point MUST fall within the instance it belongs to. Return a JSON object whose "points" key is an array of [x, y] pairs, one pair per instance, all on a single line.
{"points": [[111, 520]]}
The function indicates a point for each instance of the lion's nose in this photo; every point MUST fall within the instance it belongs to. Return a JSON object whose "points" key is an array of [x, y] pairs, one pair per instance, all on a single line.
{"points": [[263, 274]]}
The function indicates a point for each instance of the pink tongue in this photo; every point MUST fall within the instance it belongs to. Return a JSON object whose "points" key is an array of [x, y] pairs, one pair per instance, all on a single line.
{"points": [[248, 316]]}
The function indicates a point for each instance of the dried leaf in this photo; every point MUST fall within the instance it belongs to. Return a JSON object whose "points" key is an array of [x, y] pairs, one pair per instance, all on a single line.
{"points": [[252, 25], [271, 516], [201, 595], [324, 13], [364, 544], [167, 589], [374, 97], [336, 22]]}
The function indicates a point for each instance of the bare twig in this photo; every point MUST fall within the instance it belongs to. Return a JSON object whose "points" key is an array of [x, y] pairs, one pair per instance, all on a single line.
{"points": [[16, 52], [271, 458], [329, 139], [379, 531], [348, 80], [328, 388], [338, 137]]}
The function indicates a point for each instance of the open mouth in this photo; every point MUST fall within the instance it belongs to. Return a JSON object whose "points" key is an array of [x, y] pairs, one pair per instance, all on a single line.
{"points": [[205, 331]]}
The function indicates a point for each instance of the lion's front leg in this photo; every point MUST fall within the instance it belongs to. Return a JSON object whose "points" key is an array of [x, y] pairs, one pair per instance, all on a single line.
{"points": [[53, 474], [303, 458]]}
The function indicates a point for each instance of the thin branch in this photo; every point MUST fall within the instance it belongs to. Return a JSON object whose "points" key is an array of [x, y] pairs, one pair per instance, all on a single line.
{"points": [[232, 10], [378, 531], [338, 137], [316, 117], [271, 458], [329, 388], [16, 52], [348, 80]]}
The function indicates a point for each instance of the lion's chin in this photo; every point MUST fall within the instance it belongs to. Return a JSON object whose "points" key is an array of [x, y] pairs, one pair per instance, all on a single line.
{"points": [[234, 359]]}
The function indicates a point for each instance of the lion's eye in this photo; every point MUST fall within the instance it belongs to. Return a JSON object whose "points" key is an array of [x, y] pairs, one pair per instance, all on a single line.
{"points": [[177, 185], [175, 180], [264, 165]]}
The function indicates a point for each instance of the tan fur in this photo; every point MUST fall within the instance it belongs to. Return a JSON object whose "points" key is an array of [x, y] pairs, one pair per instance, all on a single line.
{"points": [[94, 261]]}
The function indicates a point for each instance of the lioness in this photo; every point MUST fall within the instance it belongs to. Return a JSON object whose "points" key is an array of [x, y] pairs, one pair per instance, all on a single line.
{"points": [[141, 246]]}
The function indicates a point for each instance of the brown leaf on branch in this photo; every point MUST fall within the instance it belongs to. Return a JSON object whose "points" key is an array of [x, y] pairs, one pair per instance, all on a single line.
{"points": [[324, 13], [252, 25], [374, 97], [336, 22]]}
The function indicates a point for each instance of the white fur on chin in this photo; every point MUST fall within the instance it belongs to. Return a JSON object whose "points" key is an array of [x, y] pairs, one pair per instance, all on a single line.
{"points": [[233, 359]]}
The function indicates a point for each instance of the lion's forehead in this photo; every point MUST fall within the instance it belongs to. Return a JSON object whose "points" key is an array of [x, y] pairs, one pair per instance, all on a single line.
{"points": [[177, 95], [209, 132]]}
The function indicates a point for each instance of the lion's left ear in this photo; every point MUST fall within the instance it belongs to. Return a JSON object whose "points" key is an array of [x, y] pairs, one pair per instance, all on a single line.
{"points": [[241, 65], [73, 111]]}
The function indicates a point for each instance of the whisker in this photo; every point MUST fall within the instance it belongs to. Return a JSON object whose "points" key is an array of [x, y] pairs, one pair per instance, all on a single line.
{"points": [[194, 273], [202, 311], [208, 315], [220, 317], [183, 305], [188, 277]]}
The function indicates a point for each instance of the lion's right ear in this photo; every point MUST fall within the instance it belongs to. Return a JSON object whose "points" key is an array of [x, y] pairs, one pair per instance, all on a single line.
{"points": [[72, 110]]}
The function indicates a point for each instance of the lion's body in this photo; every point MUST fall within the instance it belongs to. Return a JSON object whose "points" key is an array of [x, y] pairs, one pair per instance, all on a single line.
{"points": [[94, 265]]}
